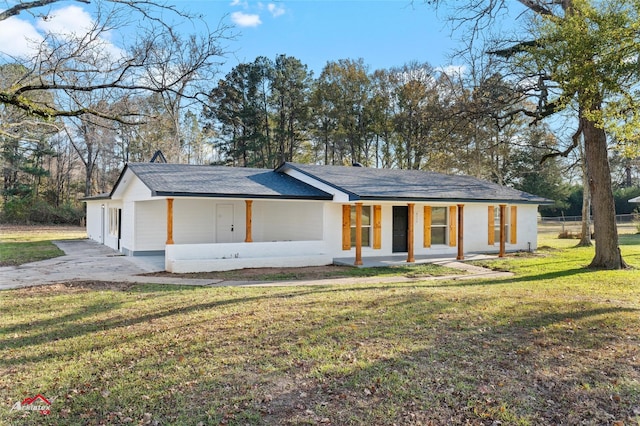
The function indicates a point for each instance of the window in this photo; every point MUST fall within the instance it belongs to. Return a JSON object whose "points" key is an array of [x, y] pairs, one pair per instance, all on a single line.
{"points": [[366, 226], [113, 222], [438, 225]]}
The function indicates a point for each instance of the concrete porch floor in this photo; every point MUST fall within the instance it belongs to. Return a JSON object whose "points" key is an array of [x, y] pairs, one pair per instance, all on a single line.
{"points": [[401, 260]]}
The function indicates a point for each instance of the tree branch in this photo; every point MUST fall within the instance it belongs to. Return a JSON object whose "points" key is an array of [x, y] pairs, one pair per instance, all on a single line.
{"points": [[575, 139], [537, 7], [516, 48], [22, 6]]}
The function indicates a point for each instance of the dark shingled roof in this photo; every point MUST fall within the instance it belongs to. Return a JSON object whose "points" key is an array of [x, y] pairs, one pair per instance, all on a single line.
{"points": [[360, 183], [221, 181], [364, 183]]}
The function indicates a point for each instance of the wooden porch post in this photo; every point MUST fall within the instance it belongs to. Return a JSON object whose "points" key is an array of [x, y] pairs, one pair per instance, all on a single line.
{"points": [[248, 204], [358, 261], [410, 256], [503, 234], [169, 221], [460, 232]]}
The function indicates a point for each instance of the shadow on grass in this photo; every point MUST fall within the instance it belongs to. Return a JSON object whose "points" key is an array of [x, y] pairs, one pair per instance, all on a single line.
{"points": [[403, 357], [480, 281], [464, 374], [629, 239], [68, 327]]}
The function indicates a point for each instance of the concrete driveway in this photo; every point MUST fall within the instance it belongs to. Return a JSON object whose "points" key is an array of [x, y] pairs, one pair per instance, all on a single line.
{"points": [[86, 260]]}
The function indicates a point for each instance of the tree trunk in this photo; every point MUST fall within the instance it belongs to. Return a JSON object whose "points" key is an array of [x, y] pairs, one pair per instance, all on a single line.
{"points": [[585, 237], [608, 254]]}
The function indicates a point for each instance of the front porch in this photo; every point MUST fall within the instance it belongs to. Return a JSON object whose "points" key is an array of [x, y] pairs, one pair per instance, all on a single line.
{"points": [[180, 258], [401, 260], [185, 258]]}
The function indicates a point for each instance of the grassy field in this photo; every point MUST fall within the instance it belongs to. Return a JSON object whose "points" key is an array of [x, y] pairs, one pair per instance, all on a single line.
{"points": [[555, 344], [22, 244]]}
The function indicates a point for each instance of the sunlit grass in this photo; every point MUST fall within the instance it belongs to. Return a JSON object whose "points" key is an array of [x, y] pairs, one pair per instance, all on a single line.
{"points": [[23, 244], [555, 344]]}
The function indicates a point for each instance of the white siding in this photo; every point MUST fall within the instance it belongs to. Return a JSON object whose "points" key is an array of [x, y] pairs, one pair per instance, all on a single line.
{"points": [[150, 227], [94, 220], [476, 228], [133, 192], [527, 227], [193, 221], [287, 220], [128, 225]]}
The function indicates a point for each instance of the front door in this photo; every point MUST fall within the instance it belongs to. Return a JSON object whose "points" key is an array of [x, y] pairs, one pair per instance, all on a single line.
{"points": [[224, 223], [400, 228]]}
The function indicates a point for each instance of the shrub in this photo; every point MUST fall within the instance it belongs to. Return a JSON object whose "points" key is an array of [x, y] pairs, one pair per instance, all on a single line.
{"points": [[27, 210], [567, 235]]}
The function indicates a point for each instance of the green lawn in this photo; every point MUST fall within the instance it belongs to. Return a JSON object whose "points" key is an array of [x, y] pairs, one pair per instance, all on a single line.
{"points": [[556, 344], [22, 244]]}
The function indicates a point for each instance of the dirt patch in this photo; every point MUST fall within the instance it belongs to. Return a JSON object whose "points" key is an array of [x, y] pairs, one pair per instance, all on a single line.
{"points": [[261, 274], [74, 287]]}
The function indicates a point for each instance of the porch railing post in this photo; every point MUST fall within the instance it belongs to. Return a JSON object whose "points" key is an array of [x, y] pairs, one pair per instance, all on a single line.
{"points": [[358, 261], [503, 233], [460, 232], [248, 238], [169, 221], [410, 219]]}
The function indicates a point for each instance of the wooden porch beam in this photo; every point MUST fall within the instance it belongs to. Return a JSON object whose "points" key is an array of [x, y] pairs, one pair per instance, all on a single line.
{"points": [[410, 226], [358, 261], [248, 213], [503, 234], [460, 232], [169, 221]]}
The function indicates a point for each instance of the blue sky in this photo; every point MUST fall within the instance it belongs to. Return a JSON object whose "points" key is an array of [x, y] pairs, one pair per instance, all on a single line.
{"points": [[384, 33]]}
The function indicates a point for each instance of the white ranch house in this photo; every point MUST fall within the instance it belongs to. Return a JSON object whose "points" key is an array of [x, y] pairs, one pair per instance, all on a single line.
{"points": [[213, 218]]}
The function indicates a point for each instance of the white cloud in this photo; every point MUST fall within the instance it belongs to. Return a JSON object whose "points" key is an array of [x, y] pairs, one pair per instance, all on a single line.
{"points": [[18, 38], [453, 70], [23, 39], [276, 10], [239, 3], [72, 20], [245, 19]]}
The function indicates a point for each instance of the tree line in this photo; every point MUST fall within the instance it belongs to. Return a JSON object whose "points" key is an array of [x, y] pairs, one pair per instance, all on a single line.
{"points": [[267, 111]]}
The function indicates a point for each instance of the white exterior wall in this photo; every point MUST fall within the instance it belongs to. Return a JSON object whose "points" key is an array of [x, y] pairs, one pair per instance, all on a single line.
{"points": [[134, 192], [150, 225], [98, 221], [476, 229], [111, 239], [286, 220], [94, 220], [193, 221], [182, 258], [527, 227]]}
